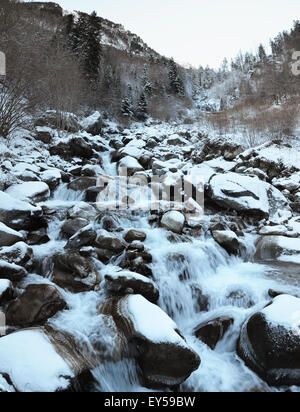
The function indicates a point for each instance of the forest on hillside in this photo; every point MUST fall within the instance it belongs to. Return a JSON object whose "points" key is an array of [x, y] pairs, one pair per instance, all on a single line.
{"points": [[64, 62]]}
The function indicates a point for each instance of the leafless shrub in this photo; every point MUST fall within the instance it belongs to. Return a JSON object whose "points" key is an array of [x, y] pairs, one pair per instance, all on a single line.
{"points": [[13, 107]]}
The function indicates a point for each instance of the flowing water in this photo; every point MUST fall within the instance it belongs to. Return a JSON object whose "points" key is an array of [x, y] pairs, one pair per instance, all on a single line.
{"points": [[184, 273]]}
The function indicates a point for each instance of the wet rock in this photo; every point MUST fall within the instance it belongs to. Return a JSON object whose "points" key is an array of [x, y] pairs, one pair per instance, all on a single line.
{"points": [[20, 215], [106, 240], [35, 306], [84, 237], [8, 236], [229, 241], [72, 226], [202, 301], [92, 193], [74, 272], [125, 282], [162, 353], [212, 332], [82, 183], [269, 342], [38, 237], [135, 235], [173, 221]]}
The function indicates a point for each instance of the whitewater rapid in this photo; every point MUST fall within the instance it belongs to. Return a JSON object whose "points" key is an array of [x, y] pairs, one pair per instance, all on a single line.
{"points": [[235, 288]]}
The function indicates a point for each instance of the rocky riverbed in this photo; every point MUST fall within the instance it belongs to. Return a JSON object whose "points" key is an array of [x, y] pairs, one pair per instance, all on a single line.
{"points": [[129, 300]]}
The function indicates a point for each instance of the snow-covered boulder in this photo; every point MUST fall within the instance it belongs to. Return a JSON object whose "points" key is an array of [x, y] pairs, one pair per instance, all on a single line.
{"points": [[173, 221], [229, 241], [19, 215], [270, 342], [35, 306], [131, 165], [274, 247], [41, 360], [44, 134], [19, 254], [176, 140], [29, 191], [52, 177], [125, 281], [8, 236], [246, 194], [164, 357], [11, 271], [93, 124]]}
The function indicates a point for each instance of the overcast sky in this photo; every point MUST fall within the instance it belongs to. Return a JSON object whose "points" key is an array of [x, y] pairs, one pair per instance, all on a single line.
{"points": [[197, 31]]}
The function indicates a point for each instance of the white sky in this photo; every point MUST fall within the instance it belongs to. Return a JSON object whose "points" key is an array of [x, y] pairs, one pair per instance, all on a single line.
{"points": [[197, 31]]}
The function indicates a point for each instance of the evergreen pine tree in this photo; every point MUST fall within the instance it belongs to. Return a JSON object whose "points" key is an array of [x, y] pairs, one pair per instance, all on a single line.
{"points": [[176, 83], [127, 103], [262, 53], [142, 109]]}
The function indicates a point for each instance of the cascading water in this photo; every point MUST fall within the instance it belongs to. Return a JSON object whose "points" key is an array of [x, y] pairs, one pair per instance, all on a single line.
{"points": [[188, 275]]}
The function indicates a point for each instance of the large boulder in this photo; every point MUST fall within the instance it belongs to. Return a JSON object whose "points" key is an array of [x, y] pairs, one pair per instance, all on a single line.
{"points": [[20, 215], [173, 221], [30, 191], [153, 338], [35, 306], [8, 236], [270, 342], [245, 194], [81, 146], [44, 360], [124, 282], [74, 272], [130, 164], [93, 124], [135, 235]]}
